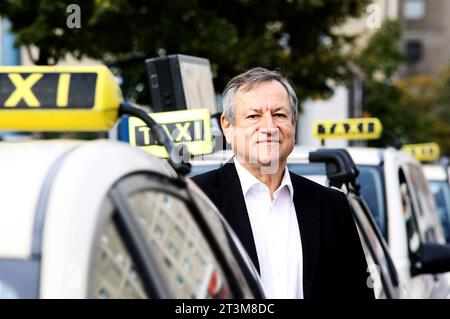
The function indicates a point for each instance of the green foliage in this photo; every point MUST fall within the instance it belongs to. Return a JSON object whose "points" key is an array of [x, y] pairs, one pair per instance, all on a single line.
{"points": [[434, 95], [295, 35], [404, 121], [382, 55], [412, 110]]}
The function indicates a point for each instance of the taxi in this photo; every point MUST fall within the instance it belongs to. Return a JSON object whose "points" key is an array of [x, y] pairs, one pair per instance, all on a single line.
{"points": [[101, 218], [436, 172], [394, 186]]}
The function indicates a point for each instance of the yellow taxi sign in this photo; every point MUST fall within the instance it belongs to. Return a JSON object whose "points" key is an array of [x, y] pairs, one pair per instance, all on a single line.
{"points": [[58, 98], [191, 127], [423, 152], [354, 129]]}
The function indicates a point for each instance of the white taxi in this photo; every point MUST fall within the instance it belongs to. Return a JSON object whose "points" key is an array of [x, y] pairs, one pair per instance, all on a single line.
{"points": [[436, 172], [397, 194], [102, 219], [396, 191]]}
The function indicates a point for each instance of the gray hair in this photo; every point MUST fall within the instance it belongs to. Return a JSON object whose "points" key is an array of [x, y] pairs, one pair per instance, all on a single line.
{"points": [[250, 79]]}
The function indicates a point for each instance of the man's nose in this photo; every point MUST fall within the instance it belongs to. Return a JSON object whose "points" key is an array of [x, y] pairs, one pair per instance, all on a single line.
{"points": [[268, 122]]}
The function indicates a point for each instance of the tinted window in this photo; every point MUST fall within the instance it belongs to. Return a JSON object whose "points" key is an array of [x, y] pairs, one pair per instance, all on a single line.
{"points": [[372, 190], [316, 169], [441, 193]]}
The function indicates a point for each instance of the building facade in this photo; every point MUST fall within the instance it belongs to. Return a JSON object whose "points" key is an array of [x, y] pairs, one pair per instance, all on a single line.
{"points": [[425, 36]]}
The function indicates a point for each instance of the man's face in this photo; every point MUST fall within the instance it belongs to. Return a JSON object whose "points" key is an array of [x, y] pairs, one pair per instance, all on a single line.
{"points": [[264, 132]]}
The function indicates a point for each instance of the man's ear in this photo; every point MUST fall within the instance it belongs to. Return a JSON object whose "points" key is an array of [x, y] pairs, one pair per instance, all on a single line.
{"points": [[226, 128]]}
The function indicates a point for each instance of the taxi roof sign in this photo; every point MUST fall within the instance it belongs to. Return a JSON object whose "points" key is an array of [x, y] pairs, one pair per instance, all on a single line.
{"points": [[191, 127], [40, 98], [355, 128], [423, 152]]}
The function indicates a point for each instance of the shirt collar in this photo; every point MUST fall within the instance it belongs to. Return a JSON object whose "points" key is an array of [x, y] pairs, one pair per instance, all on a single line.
{"points": [[248, 180]]}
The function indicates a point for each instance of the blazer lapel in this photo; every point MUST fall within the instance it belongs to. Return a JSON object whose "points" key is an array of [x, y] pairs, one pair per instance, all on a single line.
{"points": [[307, 207], [235, 211]]}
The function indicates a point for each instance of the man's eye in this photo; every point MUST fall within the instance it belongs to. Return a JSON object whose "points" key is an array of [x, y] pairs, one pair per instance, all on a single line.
{"points": [[280, 115], [252, 116]]}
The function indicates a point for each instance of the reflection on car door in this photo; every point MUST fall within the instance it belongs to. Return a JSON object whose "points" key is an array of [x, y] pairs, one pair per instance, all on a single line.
{"points": [[156, 230], [382, 275], [422, 285]]}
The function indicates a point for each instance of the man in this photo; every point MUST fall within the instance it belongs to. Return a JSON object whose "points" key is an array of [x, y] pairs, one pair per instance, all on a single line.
{"points": [[300, 235]]}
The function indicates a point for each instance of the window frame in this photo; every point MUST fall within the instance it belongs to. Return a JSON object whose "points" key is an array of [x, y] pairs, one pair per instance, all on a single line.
{"points": [[111, 212], [366, 223], [177, 188]]}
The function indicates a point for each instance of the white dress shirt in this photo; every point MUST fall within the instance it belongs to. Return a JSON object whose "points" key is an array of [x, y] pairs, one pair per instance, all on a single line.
{"points": [[276, 234]]}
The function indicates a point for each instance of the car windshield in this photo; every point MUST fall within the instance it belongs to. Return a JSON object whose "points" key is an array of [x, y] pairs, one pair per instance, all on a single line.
{"points": [[441, 193], [200, 169], [371, 182]]}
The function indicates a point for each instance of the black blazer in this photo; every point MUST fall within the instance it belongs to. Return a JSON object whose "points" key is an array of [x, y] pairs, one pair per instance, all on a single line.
{"points": [[334, 265]]}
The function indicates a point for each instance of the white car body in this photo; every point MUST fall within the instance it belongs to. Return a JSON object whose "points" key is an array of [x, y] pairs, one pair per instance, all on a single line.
{"points": [[54, 209], [421, 286]]}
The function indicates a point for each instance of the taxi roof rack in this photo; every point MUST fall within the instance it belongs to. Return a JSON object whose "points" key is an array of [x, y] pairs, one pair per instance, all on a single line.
{"points": [[339, 165]]}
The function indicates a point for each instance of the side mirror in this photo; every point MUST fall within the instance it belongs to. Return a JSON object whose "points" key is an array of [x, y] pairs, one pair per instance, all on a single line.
{"points": [[433, 259]]}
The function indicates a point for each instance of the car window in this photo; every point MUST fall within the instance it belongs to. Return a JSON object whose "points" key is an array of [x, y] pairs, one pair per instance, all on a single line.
{"points": [[114, 274], [185, 261], [200, 169], [312, 169], [441, 193], [372, 190]]}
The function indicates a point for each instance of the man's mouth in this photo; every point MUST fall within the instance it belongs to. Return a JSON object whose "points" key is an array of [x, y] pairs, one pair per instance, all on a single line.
{"points": [[268, 142]]}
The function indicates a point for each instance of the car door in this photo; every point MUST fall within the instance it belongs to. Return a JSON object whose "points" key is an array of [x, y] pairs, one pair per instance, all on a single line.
{"points": [[417, 231], [430, 226], [382, 275]]}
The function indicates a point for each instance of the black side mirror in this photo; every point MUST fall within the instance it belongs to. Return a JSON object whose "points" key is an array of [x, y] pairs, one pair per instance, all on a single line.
{"points": [[433, 259]]}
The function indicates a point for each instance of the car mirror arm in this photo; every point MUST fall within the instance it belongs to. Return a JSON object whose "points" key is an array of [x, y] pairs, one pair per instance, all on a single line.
{"points": [[177, 153]]}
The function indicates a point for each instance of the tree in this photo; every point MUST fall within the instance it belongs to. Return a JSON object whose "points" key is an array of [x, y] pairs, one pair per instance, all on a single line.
{"points": [[441, 110], [234, 35], [412, 110], [392, 101]]}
